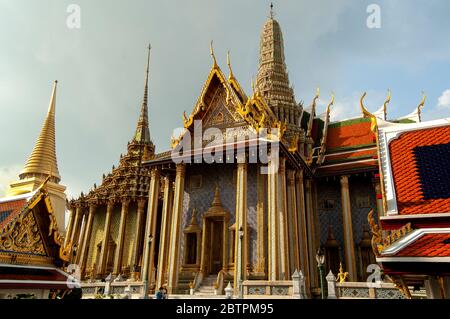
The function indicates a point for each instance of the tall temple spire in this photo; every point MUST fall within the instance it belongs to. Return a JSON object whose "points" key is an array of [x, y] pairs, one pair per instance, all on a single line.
{"points": [[142, 130], [272, 80], [42, 161]]}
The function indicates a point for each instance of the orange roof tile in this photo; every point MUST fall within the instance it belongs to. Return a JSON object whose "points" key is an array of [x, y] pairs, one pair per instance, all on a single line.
{"points": [[429, 245], [408, 181], [349, 134]]}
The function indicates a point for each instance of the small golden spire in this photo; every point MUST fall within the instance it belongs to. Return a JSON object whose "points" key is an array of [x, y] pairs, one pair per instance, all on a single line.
{"points": [[211, 49], [42, 160], [217, 201], [142, 133], [194, 217], [272, 14]]}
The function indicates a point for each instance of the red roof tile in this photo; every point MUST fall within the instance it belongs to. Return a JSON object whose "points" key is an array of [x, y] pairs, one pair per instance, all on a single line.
{"points": [[9, 210], [407, 180], [429, 245]]}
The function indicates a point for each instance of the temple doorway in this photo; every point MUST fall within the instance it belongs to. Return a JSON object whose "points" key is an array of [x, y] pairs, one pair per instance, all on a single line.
{"points": [[214, 245], [215, 238]]}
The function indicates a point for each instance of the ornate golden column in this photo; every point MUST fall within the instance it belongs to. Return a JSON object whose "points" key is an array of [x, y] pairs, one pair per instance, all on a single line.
{"points": [[76, 228], [261, 241], [284, 239], [294, 260], [272, 216], [70, 226], [302, 228], [175, 232], [84, 218], [241, 254], [121, 237], [138, 233], [349, 244], [165, 232], [105, 241], [150, 227], [87, 238], [312, 244]]}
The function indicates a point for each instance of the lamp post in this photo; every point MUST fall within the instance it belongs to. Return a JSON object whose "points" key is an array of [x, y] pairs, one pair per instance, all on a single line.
{"points": [[241, 236], [145, 275], [320, 258]]}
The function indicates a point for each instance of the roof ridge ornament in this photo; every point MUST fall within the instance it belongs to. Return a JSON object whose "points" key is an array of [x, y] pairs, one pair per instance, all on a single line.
{"points": [[386, 102], [211, 49], [313, 111], [231, 76], [420, 106]]}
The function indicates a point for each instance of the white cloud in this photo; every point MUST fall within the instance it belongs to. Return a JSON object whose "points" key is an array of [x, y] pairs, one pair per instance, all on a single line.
{"points": [[7, 175], [444, 100]]}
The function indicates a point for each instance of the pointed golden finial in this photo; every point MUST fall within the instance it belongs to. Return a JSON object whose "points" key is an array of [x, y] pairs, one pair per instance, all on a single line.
{"points": [[211, 49], [194, 217], [271, 11], [231, 76], [420, 106], [43, 155], [217, 201]]}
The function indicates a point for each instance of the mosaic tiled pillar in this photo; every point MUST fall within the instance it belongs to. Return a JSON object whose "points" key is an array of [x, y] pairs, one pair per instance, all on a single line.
{"points": [[140, 222], [79, 242], [150, 228], [283, 222], [261, 211], [311, 241], [70, 226], [241, 225], [175, 232], [165, 232], [273, 230], [106, 231], [76, 227], [349, 245], [121, 237], [294, 250], [302, 228], [87, 239]]}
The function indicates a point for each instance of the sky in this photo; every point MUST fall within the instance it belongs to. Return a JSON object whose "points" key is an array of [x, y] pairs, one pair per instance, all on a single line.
{"points": [[100, 67]]}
